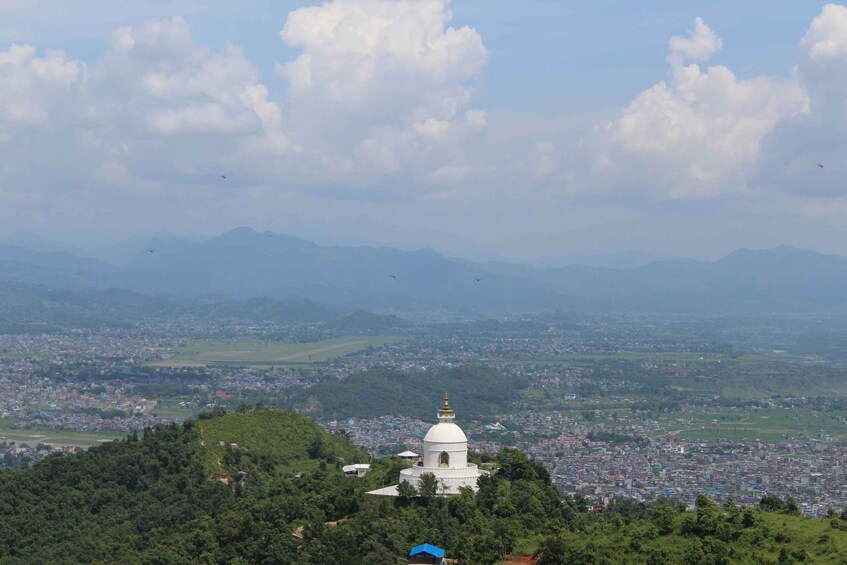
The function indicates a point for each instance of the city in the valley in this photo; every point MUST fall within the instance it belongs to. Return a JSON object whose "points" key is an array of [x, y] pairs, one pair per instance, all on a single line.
{"points": [[614, 407]]}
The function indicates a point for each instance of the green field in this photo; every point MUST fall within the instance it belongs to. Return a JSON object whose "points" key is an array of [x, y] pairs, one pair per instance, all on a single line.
{"points": [[264, 353], [768, 425], [170, 408], [34, 436]]}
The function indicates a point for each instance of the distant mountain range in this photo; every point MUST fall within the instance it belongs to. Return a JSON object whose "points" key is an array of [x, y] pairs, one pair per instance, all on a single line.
{"points": [[245, 264], [118, 252]]}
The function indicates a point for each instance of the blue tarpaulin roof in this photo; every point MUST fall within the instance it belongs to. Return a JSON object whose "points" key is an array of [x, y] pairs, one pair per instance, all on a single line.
{"points": [[427, 549]]}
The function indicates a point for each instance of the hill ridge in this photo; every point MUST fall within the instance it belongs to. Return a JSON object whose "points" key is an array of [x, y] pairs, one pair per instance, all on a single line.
{"points": [[244, 263]]}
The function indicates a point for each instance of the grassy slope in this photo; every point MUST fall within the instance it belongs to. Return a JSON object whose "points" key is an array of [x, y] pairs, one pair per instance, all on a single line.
{"points": [[822, 543], [815, 538], [283, 436]]}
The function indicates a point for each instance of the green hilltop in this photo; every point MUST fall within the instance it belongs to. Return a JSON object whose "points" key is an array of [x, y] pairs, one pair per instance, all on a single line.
{"points": [[274, 440], [174, 494]]}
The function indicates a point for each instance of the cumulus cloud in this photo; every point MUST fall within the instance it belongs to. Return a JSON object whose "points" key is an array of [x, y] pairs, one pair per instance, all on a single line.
{"points": [[32, 87], [42, 96], [158, 81], [700, 45], [157, 111], [380, 96], [825, 39], [697, 135], [382, 86], [823, 66], [820, 135]]}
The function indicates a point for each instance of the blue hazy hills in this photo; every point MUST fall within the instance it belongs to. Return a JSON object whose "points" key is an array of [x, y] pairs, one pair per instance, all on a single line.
{"points": [[244, 264]]}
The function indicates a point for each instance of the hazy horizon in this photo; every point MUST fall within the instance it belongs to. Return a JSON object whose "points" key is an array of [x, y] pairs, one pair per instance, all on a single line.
{"points": [[480, 129], [91, 247]]}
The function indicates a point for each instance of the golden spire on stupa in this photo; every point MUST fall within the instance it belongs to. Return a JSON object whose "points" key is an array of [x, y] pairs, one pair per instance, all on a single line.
{"points": [[446, 411]]}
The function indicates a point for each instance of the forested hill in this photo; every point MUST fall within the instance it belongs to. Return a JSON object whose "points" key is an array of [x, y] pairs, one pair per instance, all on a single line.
{"points": [[475, 392], [174, 494], [273, 493]]}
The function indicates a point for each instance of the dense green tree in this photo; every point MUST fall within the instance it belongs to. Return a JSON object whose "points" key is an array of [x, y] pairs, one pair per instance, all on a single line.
{"points": [[171, 494], [772, 504], [664, 516], [428, 485], [791, 506], [406, 491]]}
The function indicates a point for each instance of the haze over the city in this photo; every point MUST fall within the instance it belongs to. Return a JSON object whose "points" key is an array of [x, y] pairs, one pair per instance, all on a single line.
{"points": [[482, 128]]}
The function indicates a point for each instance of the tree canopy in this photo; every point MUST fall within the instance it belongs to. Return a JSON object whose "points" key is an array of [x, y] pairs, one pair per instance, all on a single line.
{"points": [[275, 493]]}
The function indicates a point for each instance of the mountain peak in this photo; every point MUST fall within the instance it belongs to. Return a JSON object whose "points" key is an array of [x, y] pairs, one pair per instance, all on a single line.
{"points": [[239, 232], [426, 252]]}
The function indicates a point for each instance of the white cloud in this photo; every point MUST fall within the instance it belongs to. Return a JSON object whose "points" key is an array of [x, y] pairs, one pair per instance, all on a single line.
{"points": [[173, 86], [698, 135], [350, 47], [380, 111], [792, 151], [700, 45], [32, 87], [379, 98], [707, 133], [158, 109], [432, 128], [199, 118], [826, 38], [182, 112], [381, 85], [42, 96], [823, 64]]}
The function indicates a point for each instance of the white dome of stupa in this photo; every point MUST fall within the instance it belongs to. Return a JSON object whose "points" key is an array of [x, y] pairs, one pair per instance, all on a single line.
{"points": [[445, 432]]}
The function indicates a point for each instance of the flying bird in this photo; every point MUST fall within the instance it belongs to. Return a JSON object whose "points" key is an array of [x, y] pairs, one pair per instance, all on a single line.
{"points": [[477, 279], [820, 165], [393, 276], [150, 250], [222, 177]]}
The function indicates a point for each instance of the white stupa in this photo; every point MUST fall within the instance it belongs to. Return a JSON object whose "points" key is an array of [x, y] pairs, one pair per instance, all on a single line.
{"points": [[445, 455]]}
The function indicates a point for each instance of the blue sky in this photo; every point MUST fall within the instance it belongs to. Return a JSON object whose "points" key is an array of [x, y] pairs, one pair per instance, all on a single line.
{"points": [[480, 127]]}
